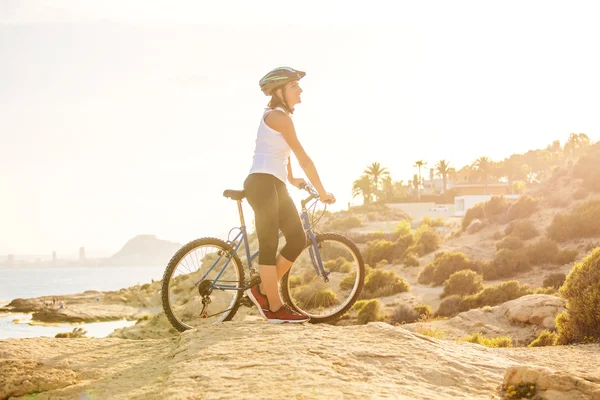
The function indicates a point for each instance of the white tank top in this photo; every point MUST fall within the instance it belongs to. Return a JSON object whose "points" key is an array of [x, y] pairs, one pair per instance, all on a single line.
{"points": [[271, 152]]}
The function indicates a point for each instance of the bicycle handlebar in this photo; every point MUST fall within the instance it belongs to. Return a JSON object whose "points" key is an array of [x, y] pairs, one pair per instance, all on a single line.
{"points": [[313, 193]]}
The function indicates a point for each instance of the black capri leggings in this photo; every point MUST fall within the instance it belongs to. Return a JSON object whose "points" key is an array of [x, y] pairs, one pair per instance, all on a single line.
{"points": [[274, 210]]}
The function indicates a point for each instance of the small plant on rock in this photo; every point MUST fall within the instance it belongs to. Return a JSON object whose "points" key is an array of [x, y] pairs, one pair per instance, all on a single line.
{"points": [[546, 338], [369, 312]]}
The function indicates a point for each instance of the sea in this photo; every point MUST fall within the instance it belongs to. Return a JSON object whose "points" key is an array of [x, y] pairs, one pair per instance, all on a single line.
{"points": [[28, 282]]}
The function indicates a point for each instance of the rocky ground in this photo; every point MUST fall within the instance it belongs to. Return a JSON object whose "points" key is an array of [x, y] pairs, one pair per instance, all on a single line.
{"points": [[254, 359], [92, 306]]}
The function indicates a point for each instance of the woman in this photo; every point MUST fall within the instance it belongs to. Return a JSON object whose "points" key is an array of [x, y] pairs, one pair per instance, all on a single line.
{"points": [[267, 194]]}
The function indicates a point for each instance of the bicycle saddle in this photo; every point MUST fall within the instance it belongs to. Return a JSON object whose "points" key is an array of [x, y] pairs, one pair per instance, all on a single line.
{"points": [[234, 194]]}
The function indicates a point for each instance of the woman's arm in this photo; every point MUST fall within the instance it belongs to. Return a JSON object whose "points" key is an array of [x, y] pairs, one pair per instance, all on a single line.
{"points": [[297, 182], [282, 123]]}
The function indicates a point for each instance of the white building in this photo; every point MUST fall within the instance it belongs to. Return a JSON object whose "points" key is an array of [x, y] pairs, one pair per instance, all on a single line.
{"points": [[463, 203]]}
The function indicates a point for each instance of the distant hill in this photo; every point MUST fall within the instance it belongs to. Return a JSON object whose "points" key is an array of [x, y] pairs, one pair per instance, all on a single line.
{"points": [[144, 250]]}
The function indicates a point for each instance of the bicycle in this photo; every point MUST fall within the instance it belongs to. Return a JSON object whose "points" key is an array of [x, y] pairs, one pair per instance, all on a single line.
{"points": [[204, 281]]}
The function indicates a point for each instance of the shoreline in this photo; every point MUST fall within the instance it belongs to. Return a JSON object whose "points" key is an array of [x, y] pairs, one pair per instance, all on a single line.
{"points": [[91, 306]]}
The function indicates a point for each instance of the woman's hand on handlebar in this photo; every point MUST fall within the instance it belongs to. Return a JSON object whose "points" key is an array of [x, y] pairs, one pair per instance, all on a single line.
{"points": [[300, 183], [327, 198]]}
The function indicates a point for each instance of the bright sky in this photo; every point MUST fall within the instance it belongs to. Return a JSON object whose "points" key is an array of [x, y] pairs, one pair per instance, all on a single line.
{"points": [[131, 117]]}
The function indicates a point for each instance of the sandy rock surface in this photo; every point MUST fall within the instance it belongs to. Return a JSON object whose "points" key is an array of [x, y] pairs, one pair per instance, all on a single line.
{"points": [[240, 359], [522, 319]]}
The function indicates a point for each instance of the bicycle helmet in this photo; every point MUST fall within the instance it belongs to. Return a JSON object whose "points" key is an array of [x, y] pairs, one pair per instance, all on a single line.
{"points": [[279, 77]]}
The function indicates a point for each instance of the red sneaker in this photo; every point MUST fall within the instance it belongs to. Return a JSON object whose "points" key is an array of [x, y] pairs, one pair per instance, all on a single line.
{"points": [[259, 299], [285, 314]]}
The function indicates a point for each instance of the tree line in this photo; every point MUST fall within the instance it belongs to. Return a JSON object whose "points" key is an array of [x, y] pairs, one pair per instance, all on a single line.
{"points": [[518, 170]]}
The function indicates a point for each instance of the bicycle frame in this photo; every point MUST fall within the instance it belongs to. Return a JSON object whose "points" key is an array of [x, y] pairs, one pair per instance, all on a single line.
{"points": [[242, 238]]}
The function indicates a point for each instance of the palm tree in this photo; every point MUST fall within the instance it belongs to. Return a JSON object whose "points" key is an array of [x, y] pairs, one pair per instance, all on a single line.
{"points": [[363, 187], [484, 167], [452, 174], [443, 168], [419, 164], [376, 172], [416, 183], [387, 188], [399, 189]]}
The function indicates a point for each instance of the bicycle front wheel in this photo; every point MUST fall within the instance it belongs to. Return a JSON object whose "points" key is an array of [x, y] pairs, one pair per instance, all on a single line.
{"points": [[200, 284], [310, 294]]}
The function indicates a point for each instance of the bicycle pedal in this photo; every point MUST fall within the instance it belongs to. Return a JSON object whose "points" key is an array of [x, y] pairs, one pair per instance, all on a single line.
{"points": [[255, 280], [245, 301]]}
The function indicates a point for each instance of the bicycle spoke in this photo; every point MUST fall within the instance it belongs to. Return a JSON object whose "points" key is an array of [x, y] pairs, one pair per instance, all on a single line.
{"points": [[190, 278], [325, 298]]}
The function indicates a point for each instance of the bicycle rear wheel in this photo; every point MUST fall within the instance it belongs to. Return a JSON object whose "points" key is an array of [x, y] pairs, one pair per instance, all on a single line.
{"points": [[308, 293], [189, 296]]}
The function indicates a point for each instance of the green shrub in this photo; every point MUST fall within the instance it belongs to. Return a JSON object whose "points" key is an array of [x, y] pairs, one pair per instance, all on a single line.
{"points": [[588, 169], [308, 276], [424, 310], [489, 296], [369, 312], [507, 263], [428, 238], [347, 282], [381, 283], [475, 212], [372, 216], [359, 305], [582, 292], [497, 294], [315, 296], [344, 224], [402, 243], [475, 226], [340, 264], [521, 390], [565, 256], [411, 260], [295, 280], [434, 223], [402, 228], [546, 338], [405, 314], [443, 265], [580, 194], [554, 280], [463, 283], [382, 263], [542, 252], [417, 249], [378, 250], [436, 333], [499, 341], [582, 222], [523, 229], [510, 243], [450, 306], [495, 207], [524, 207]]}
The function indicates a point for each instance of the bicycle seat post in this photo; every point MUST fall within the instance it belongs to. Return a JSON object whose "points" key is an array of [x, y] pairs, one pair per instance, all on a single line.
{"points": [[241, 212]]}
